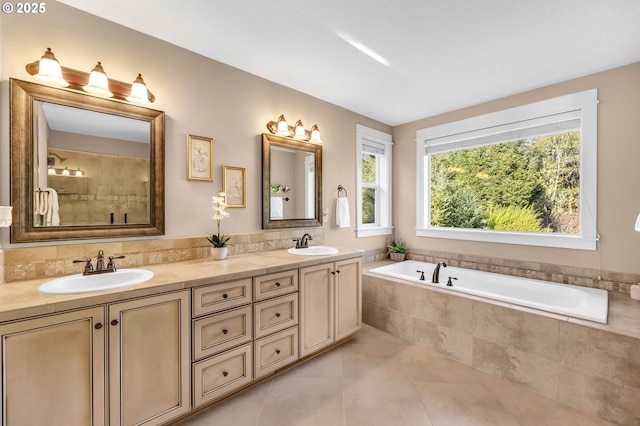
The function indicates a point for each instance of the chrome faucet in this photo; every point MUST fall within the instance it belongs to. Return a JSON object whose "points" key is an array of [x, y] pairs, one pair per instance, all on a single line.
{"points": [[436, 272], [303, 242], [100, 268]]}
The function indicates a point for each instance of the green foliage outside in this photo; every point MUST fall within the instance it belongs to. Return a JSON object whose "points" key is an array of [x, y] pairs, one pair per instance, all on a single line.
{"points": [[530, 185], [368, 194]]}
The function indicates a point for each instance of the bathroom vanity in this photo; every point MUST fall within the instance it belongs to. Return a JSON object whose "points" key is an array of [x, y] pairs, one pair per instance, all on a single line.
{"points": [[195, 333]]}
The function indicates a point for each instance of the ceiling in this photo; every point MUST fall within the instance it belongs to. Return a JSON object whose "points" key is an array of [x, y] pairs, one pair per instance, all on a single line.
{"points": [[396, 61]]}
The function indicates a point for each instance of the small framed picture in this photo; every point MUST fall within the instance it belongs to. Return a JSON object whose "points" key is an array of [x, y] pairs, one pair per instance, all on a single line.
{"points": [[234, 184], [199, 158]]}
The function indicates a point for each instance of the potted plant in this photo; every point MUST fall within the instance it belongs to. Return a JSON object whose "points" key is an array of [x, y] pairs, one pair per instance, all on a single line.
{"points": [[396, 251], [219, 240]]}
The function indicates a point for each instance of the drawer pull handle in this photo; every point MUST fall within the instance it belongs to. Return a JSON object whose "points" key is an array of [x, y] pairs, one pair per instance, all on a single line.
{"points": [[114, 322], [278, 284], [225, 295], [98, 326], [277, 314], [277, 351], [225, 374], [225, 331]]}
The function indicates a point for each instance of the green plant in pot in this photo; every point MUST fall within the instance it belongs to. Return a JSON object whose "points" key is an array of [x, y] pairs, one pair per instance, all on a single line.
{"points": [[396, 250]]}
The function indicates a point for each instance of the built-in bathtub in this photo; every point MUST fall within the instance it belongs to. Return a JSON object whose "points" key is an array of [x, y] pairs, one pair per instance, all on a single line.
{"points": [[565, 299]]}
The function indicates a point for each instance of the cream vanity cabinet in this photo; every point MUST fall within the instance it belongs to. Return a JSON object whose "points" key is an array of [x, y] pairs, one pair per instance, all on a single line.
{"points": [[54, 368], [275, 321], [222, 328], [149, 359], [330, 303]]}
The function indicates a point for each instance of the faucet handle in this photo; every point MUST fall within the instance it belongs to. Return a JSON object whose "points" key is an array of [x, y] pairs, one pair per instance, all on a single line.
{"points": [[297, 240], [112, 265], [88, 267], [421, 275]]}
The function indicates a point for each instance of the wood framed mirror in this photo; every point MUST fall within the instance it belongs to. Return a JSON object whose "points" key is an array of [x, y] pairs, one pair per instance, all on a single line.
{"points": [[103, 159], [291, 183]]}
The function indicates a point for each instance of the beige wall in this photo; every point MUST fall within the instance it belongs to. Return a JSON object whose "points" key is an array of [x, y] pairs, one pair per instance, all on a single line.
{"points": [[201, 97], [618, 175]]}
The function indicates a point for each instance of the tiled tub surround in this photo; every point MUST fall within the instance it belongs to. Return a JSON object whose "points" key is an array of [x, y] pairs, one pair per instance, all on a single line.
{"points": [[53, 261], [589, 366], [564, 299]]}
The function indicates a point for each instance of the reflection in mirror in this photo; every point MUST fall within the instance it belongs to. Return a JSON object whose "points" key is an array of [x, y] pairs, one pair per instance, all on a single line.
{"points": [[292, 176], [93, 168], [292, 184], [83, 166]]}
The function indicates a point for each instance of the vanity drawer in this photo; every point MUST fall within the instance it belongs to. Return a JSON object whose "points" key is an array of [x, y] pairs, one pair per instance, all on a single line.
{"points": [[221, 374], [216, 297], [216, 333], [272, 285], [275, 351], [275, 314]]}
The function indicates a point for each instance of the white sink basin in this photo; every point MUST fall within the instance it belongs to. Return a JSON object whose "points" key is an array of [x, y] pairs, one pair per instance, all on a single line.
{"points": [[79, 283], [313, 251]]}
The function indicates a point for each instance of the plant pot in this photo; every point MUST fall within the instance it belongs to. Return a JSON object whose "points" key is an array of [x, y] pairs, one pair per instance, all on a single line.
{"points": [[219, 253], [397, 256]]}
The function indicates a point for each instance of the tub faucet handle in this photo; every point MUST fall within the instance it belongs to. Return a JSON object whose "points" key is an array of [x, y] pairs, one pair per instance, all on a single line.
{"points": [[421, 275], [449, 283]]}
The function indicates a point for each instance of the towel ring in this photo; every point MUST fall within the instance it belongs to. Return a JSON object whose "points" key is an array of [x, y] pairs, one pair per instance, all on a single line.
{"points": [[342, 188]]}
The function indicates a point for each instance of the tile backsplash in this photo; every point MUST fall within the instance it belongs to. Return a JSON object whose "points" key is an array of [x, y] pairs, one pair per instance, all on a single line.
{"points": [[52, 261], [616, 282]]}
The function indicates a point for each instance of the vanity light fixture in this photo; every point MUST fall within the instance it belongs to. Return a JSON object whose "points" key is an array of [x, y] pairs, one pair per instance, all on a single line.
{"points": [[297, 132], [96, 82], [637, 227], [139, 93], [49, 70], [52, 171]]}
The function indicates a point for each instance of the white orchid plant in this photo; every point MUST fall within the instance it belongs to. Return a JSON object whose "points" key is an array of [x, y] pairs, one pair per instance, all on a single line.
{"points": [[219, 205]]}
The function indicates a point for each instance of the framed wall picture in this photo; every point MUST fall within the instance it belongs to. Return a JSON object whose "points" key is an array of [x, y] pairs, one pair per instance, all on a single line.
{"points": [[199, 158], [234, 184]]}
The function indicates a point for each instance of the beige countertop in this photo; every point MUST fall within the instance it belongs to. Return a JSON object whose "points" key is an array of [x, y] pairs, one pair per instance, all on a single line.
{"points": [[22, 299]]}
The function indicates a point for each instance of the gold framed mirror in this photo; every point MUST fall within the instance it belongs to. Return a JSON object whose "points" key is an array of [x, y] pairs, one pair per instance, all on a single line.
{"points": [[291, 183], [83, 166]]}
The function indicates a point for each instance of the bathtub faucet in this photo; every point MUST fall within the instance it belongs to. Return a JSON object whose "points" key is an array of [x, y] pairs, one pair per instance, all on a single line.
{"points": [[436, 272], [421, 275]]}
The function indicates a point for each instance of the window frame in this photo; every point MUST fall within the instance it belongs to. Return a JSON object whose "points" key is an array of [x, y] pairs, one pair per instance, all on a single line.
{"points": [[383, 224], [584, 104]]}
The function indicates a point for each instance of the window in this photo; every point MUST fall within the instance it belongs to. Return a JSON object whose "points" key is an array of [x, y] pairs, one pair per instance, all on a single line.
{"points": [[373, 187], [523, 176]]}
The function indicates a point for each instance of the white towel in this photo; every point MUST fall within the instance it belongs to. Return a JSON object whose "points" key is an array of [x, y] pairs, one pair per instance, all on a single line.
{"points": [[277, 208], [52, 217], [342, 213]]}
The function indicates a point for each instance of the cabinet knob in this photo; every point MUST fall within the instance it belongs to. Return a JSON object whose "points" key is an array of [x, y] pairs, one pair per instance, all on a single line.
{"points": [[98, 326], [225, 331], [278, 351], [114, 322], [338, 271], [333, 272], [277, 314], [225, 295], [225, 374], [278, 284]]}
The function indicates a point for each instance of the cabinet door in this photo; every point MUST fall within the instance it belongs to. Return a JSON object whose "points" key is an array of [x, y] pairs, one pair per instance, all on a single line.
{"points": [[53, 370], [316, 308], [348, 297], [149, 359]]}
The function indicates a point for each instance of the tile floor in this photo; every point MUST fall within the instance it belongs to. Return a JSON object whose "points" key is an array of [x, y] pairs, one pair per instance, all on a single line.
{"points": [[378, 379]]}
